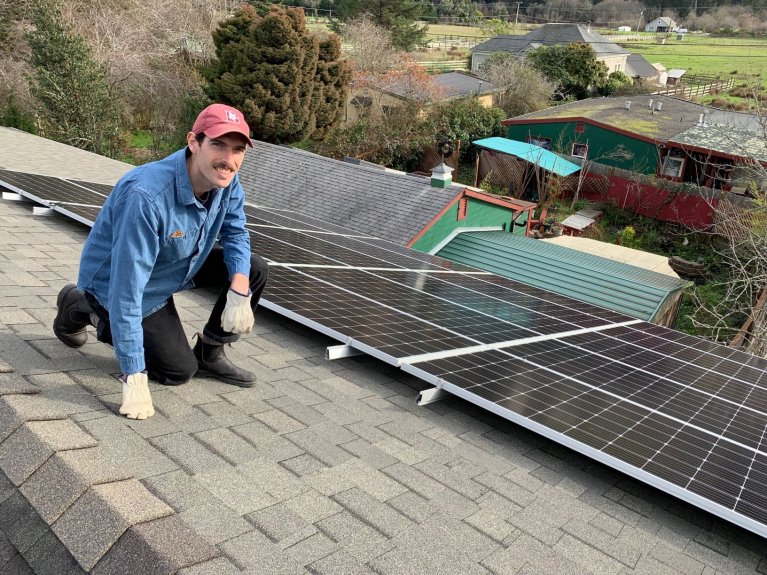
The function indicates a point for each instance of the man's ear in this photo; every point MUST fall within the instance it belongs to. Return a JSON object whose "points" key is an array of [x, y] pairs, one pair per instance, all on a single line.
{"points": [[191, 141]]}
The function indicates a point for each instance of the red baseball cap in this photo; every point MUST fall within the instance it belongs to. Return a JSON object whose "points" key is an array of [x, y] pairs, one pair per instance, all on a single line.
{"points": [[219, 119]]}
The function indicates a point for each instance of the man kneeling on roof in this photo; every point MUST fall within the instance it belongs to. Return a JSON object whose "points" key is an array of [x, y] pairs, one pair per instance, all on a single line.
{"points": [[167, 226]]}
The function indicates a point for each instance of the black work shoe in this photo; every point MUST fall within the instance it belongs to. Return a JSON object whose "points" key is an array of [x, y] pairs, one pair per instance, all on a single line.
{"points": [[73, 317], [212, 361]]}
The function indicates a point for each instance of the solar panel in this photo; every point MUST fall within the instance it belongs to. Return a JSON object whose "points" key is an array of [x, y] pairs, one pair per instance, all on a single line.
{"points": [[50, 190], [657, 417], [682, 414]]}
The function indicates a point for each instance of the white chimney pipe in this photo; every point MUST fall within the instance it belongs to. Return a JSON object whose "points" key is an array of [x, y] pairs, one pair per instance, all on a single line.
{"points": [[649, 103], [627, 104], [658, 106]]}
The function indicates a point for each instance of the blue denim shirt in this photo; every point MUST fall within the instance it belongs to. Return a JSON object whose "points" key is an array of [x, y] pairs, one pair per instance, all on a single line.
{"points": [[150, 239]]}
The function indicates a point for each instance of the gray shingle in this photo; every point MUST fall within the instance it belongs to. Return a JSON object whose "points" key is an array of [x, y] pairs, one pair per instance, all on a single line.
{"points": [[20, 523], [215, 522], [66, 476], [159, 547], [92, 525], [372, 201], [35, 441], [49, 556]]}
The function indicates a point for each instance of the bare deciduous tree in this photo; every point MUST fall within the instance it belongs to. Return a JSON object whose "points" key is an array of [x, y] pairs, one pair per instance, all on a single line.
{"points": [[524, 89]]}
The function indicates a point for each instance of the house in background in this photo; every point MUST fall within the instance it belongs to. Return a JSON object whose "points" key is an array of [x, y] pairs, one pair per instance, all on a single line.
{"points": [[662, 24], [374, 102], [631, 144], [613, 55], [624, 28]]}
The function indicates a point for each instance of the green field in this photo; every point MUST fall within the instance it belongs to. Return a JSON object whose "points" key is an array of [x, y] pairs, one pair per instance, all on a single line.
{"points": [[741, 58]]}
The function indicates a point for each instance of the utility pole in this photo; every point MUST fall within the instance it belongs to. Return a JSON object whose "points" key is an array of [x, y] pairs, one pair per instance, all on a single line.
{"points": [[516, 18], [639, 22]]}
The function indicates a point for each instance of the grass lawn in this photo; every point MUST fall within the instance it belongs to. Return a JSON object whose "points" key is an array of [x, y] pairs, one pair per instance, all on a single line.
{"points": [[741, 58]]}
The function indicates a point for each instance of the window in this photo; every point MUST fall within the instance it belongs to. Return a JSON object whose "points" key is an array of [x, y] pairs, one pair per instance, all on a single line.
{"points": [[544, 143], [672, 167], [580, 150]]}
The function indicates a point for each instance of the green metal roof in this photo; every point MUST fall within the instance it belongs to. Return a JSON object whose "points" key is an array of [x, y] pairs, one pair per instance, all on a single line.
{"points": [[613, 285], [531, 153]]}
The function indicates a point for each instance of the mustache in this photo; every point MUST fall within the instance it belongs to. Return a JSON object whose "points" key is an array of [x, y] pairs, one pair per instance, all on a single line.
{"points": [[219, 165]]}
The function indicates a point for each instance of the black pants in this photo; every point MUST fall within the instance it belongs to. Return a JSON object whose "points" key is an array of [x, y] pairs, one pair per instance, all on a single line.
{"points": [[167, 354]]}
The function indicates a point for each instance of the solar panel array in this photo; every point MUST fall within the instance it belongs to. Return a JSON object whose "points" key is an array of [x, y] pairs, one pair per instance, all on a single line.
{"points": [[680, 413]]}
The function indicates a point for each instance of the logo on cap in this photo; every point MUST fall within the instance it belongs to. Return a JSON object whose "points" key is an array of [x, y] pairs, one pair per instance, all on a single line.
{"points": [[232, 117]]}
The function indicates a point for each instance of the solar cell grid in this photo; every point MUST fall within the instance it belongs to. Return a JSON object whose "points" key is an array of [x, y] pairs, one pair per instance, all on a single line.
{"points": [[394, 333], [50, 189], [103, 189]]}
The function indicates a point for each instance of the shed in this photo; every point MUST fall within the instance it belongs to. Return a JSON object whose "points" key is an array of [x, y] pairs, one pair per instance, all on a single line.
{"points": [[636, 292]]}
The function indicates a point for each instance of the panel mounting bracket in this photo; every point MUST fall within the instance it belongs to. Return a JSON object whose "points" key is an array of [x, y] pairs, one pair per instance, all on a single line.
{"points": [[41, 211], [431, 395], [12, 196], [340, 351]]}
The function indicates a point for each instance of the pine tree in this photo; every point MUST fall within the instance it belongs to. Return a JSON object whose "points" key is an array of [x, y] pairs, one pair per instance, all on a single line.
{"points": [[331, 87], [72, 88], [267, 66]]}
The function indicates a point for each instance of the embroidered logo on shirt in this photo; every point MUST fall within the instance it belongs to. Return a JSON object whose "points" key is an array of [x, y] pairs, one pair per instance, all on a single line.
{"points": [[177, 234]]}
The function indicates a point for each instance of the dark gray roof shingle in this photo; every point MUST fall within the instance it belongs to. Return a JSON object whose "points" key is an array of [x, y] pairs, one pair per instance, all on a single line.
{"points": [[381, 203], [551, 35], [638, 67]]}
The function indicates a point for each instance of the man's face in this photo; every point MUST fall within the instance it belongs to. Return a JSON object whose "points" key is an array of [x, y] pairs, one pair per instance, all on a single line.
{"points": [[215, 161]]}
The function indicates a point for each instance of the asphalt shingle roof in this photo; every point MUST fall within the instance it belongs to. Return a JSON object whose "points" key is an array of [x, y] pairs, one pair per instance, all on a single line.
{"points": [[551, 35], [323, 467], [676, 115], [382, 203], [638, 67]]}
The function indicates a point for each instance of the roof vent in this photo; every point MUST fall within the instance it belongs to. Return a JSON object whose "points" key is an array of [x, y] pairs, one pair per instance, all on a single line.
{"points": [[658, 106], [627, 104], [441, 176], [649, 103], [702, 120]]}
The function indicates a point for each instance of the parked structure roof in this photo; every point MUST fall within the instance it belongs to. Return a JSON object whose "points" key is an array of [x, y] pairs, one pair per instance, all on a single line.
{"points": [[624, 288], [550, 35], [530, 152]]}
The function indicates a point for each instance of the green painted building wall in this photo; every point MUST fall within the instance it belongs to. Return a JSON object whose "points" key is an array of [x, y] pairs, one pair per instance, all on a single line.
{"points": [[479, 214], [601, 142]]}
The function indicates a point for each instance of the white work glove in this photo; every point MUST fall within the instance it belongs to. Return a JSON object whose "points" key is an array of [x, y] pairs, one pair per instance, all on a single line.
{"points": [[238, 315], [137, 402]]}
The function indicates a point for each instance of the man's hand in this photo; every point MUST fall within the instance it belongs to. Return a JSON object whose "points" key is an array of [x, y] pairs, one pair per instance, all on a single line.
{"points": [[137, 402], [238, 315]]}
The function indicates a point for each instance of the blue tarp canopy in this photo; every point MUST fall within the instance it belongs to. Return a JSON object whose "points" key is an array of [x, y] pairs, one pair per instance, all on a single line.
{"points": [[530, 152]]}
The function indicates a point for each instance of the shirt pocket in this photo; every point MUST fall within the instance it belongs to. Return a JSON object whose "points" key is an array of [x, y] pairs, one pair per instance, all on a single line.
{"points": [[181, 245]]}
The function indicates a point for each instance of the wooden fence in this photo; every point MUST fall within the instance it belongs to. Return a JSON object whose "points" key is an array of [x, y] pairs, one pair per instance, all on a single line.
{"points": [[697, 85], [445, 66]]}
